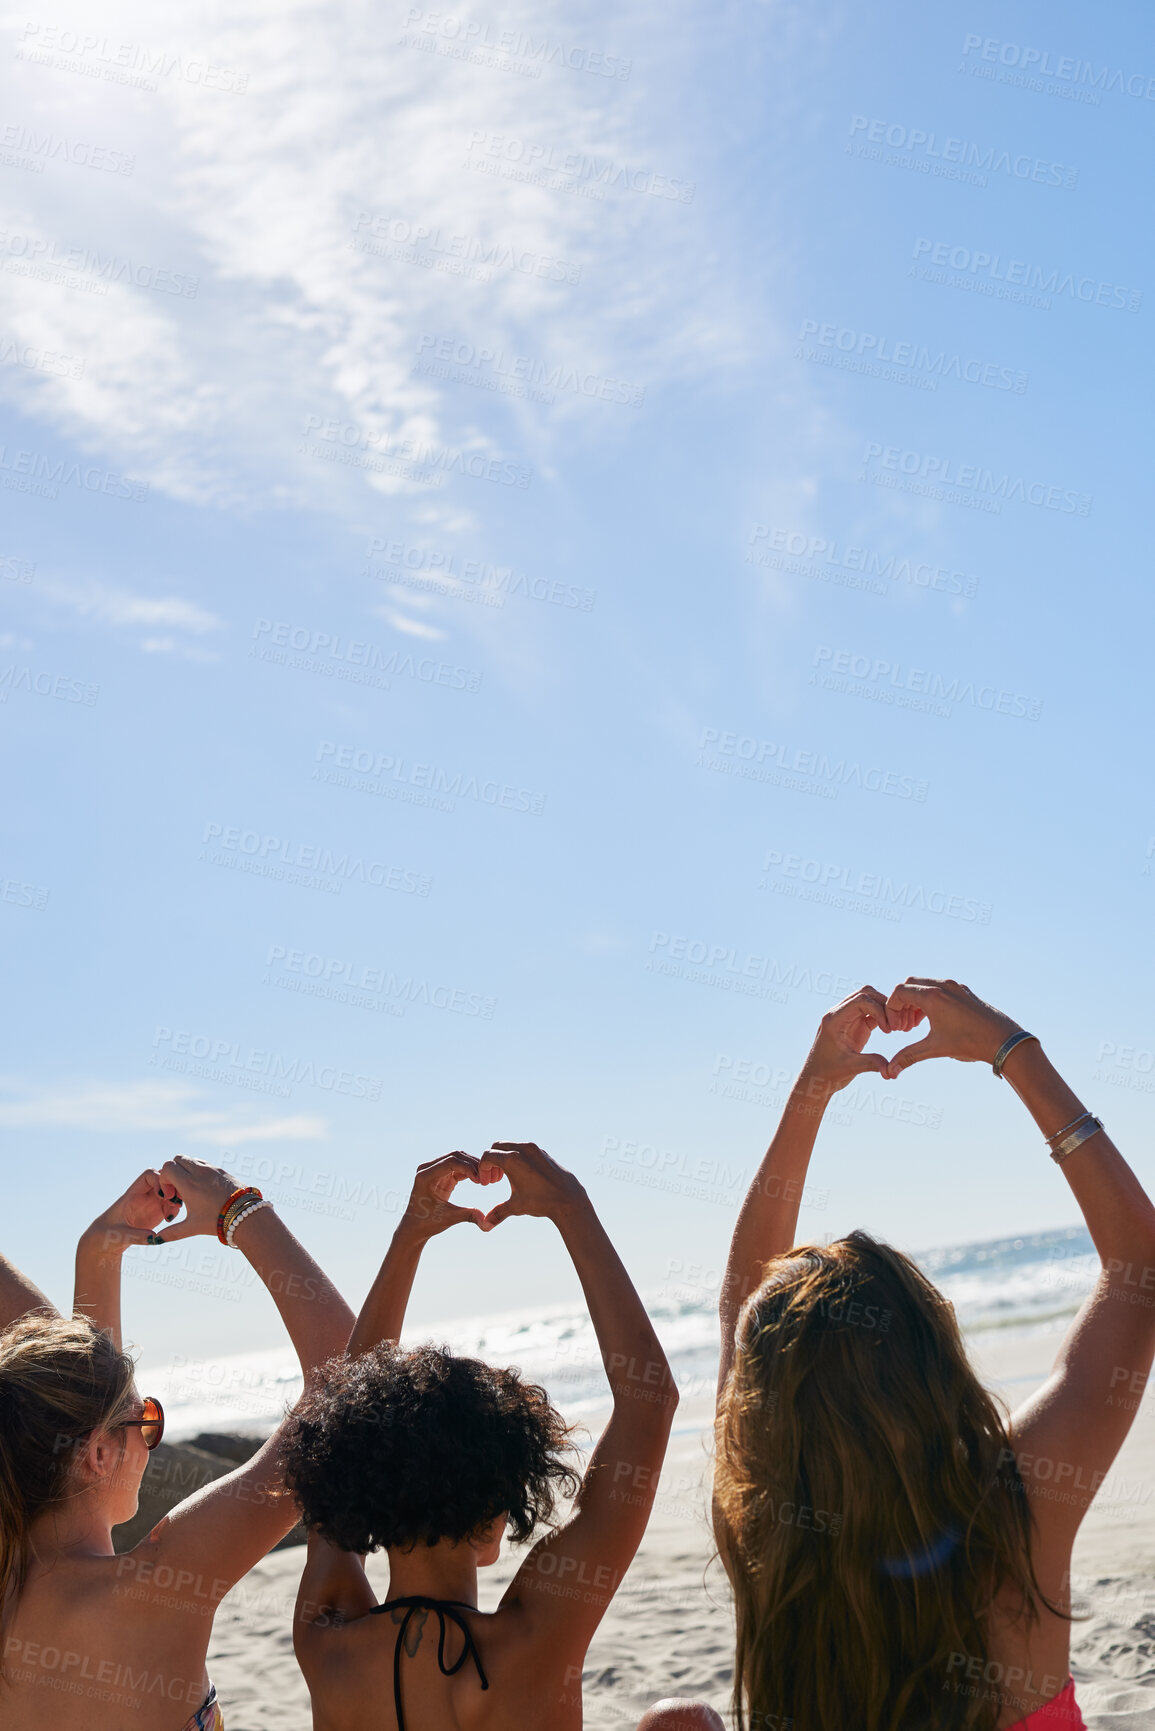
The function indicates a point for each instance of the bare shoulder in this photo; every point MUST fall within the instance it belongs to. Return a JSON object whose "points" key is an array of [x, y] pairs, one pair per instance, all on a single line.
{"points": [[153, 1578]]}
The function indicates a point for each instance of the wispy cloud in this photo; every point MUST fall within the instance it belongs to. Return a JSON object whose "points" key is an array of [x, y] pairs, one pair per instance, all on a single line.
{"points": [[164, 1107], [412, 627], [371, 199], [120, 607]]}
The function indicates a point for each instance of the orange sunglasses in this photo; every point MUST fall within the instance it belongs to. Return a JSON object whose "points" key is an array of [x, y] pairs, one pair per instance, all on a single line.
{"points": [[150, 1422]]}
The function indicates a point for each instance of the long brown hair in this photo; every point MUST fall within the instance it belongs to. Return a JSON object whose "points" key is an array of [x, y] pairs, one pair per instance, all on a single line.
{"points": [[61, 1378], [870, 1507]]}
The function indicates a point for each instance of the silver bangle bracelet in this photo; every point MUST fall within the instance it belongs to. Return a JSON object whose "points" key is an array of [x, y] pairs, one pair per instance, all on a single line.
{"points": [[1008, 1046], [1086, 1126], [1056, 1134]]}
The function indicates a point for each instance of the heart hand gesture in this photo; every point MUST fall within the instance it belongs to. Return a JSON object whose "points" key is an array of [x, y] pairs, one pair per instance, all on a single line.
{"points": [[133, 1218], [961, 1025], [431, 1208], [538, 1185], [837, 1055]]}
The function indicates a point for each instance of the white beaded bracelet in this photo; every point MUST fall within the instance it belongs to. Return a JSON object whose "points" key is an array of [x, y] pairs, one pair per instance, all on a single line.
{"points": [[252, 1208]]}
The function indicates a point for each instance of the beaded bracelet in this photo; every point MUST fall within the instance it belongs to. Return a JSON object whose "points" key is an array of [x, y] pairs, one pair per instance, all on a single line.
{"points": [[247, 1190], [247, 1201], [243, 1214]]}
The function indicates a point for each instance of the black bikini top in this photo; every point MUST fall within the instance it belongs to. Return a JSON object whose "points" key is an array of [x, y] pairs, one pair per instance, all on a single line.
{"points": [[451, 1608]]}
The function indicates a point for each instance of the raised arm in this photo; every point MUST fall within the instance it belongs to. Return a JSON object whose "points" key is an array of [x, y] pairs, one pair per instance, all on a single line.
{"points": [[229, 1525], [334, 1588], [572, 1575], [133, 1218], [315, 1316], [768, 1219], [18, 1295], [1069, 1432], [429, 1211]]}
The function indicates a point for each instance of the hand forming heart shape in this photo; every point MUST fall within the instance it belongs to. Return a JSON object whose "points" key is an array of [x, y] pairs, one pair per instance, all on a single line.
{"points": [[961, 1026], [537, 1186]]}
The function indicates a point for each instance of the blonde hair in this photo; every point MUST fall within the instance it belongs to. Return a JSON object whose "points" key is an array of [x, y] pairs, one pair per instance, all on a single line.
{"points": [[61, 1378], [870, 1505]]}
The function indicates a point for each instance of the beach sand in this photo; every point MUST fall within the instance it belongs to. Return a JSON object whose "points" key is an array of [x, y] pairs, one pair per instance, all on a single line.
{"points": [[669, 1630]]}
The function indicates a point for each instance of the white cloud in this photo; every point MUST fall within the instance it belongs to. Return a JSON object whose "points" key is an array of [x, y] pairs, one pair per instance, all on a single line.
{"points": [[345, 135], [124, 1108], [412, 627], [121, 607]]}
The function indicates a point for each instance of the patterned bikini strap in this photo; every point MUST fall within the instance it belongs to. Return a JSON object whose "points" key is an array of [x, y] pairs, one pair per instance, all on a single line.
{"points": [[451, 1608]]}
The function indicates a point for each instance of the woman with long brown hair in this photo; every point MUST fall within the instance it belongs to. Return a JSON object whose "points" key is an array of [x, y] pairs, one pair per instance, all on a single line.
{"points": [[899, 1550], [93, 1641]]}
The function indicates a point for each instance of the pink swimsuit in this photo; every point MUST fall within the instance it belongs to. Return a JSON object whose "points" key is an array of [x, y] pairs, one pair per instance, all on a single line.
{"points": [[1060, 1713]]}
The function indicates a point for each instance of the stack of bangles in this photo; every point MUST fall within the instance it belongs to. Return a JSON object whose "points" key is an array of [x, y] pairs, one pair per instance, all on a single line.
{"points": [[1071, 1136], [239, 1206]]}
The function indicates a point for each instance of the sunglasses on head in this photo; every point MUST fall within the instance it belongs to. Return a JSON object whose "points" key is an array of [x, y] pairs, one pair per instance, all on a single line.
{"points": [[150, 1423]]}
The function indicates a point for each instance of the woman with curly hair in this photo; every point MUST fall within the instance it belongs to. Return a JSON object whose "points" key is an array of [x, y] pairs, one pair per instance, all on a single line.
{"points": [[431, 1458], [899, 1551], [93, 1640]]}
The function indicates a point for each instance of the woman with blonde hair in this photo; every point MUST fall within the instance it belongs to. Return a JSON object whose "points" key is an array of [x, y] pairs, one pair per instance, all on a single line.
{"points": [[899, 1551], [93, 1641]]}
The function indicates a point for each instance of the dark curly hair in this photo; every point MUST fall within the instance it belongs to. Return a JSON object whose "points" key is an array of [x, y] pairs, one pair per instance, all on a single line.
{"points": [[405, 1447]]}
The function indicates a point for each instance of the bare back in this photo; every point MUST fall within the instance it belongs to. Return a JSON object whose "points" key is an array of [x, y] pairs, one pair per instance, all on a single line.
{"points": [[94, 1645], [118, 1643], [533, 1685]]}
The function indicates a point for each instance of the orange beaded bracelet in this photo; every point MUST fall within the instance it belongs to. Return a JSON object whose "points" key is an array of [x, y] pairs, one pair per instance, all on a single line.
{"points": [[247, 1193]]}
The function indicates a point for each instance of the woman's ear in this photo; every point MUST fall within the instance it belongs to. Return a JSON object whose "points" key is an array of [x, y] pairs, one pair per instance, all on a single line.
{"points": [[98, 1461], [487, 1540]]}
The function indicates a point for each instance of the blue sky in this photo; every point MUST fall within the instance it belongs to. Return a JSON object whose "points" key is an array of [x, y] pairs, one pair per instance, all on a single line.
{"points": [[541, 546]]}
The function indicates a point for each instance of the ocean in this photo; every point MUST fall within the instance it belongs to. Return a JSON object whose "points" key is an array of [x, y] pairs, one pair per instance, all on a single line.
{"points": [[1029, 1283]]}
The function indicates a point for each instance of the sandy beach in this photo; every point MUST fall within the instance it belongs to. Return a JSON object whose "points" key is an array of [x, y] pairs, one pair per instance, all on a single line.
{"points": [[669, 1630]]}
